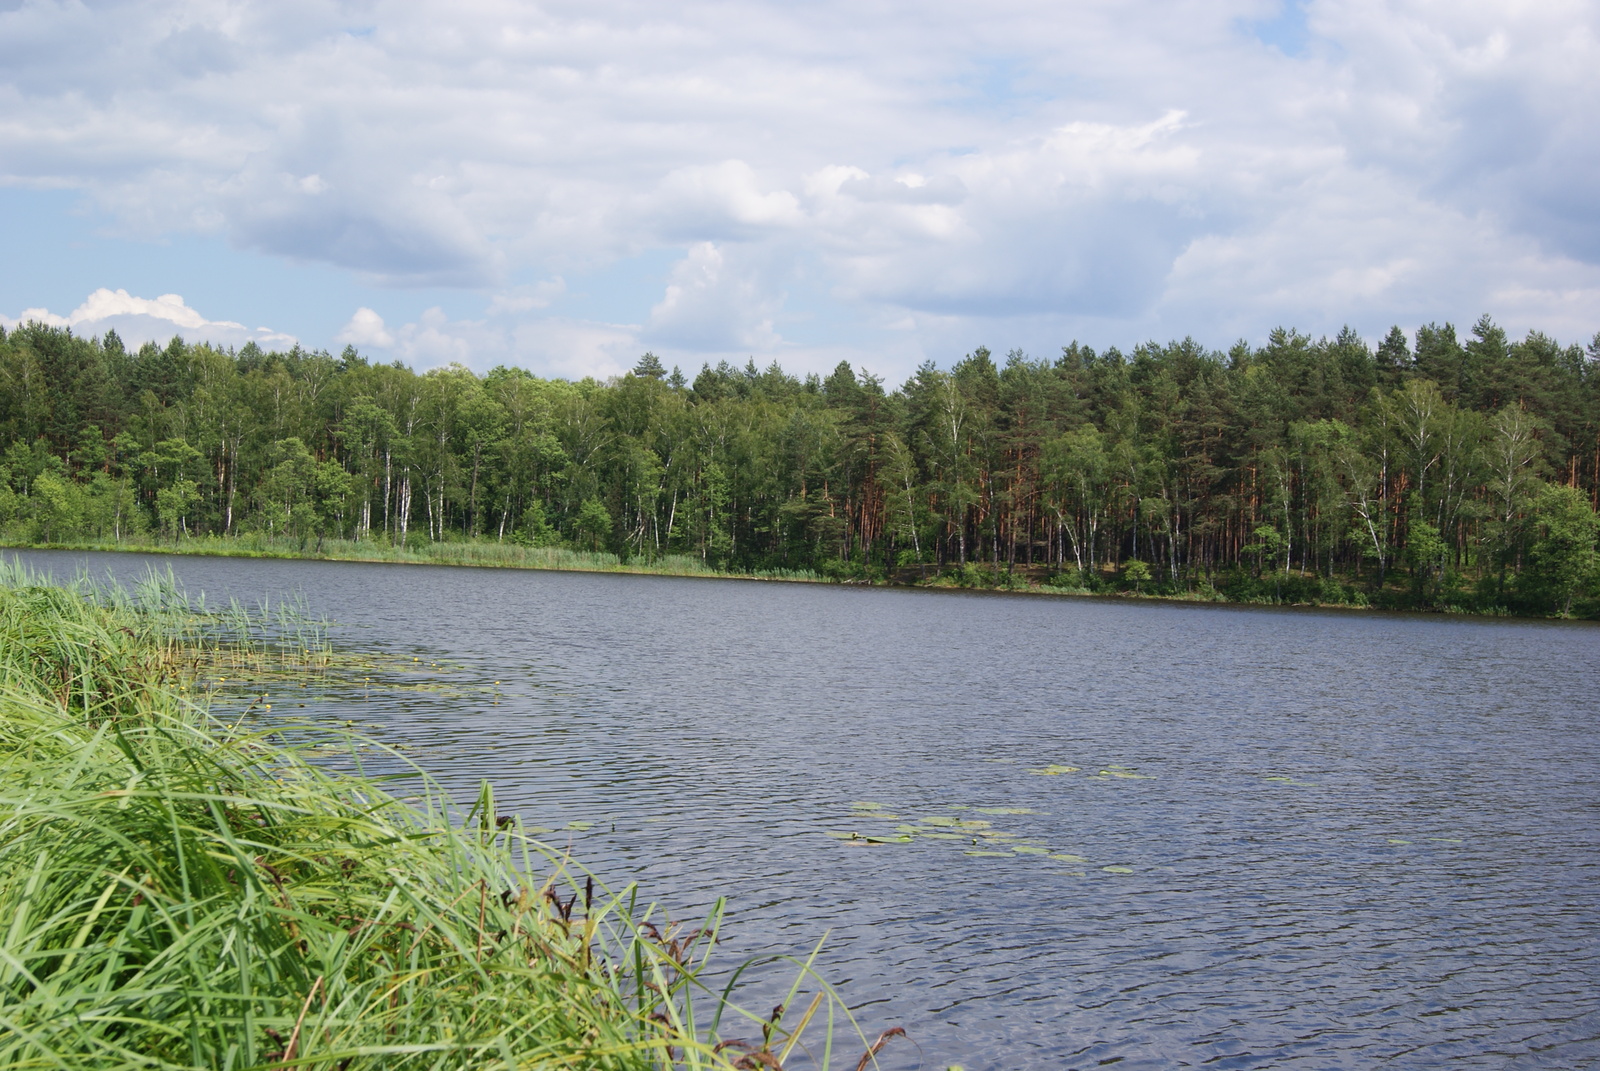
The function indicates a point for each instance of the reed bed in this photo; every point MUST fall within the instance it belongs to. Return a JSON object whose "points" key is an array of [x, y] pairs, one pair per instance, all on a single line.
{"points": [[180, 893], [480, 552]]}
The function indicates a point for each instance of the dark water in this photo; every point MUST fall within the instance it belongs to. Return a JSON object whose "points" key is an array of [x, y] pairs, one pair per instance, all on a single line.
{"points": [[1421, 890]]}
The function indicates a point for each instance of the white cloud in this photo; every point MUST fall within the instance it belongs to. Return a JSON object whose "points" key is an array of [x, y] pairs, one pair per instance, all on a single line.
{"points": [[1030, 169], [139, 320], [365, 328], [552, 347], [713, 303]]}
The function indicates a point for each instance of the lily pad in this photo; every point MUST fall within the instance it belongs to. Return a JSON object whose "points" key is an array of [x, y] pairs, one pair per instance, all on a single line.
{"points": [[938, 820], [1117, 869], [1006, 810], [1065, 858], [1029, 849], [1117, 771], [887, 840], [867, 805], [907, 829], [1053, 770], [580, 826], [838, 834]]}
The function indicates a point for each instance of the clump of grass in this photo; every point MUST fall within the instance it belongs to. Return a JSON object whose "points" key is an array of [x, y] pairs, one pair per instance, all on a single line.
{"points": [[178, 893]]}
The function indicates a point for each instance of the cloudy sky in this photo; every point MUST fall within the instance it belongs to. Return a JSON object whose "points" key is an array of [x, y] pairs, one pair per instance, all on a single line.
{"points": [[563, 185]]}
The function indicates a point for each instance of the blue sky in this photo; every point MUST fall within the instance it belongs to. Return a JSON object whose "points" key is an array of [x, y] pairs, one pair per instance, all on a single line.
{"points": [[565, 185]]}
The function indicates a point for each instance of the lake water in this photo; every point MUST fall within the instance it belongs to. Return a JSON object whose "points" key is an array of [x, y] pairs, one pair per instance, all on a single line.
{"points": [[1337, 840]]}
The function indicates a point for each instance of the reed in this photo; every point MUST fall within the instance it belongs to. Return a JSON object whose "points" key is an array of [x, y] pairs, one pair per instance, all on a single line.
{"points": [[480, 552], [180, 893]]}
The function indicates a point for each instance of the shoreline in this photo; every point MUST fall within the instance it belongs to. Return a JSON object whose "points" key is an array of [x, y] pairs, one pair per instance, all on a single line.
{"points": [[215, 872], [564, 561]]}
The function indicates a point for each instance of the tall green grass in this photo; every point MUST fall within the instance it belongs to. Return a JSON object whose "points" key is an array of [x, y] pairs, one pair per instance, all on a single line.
{"points": [[482, 552], [180, 893]]}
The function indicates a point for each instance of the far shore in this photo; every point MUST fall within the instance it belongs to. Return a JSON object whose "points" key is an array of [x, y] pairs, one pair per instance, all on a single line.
{"points": [[1021, 580]]}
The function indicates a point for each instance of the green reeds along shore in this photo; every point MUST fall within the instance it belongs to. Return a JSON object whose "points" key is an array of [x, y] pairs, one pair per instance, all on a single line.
{"points": [[480, 552], [180, 893]]}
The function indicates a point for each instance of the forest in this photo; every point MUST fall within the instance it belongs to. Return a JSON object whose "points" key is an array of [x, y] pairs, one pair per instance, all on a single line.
{"points": [[1435, 471]]}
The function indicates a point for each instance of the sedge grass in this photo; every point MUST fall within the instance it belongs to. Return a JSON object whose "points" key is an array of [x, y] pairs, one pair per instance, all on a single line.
{"points": [[179, 893], [479, 552]]}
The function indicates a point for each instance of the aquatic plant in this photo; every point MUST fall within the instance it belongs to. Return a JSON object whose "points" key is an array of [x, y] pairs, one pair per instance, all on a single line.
{"points": [[182, 893]]}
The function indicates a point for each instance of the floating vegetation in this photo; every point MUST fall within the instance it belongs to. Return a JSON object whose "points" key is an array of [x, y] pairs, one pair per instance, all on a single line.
{"points": [[1117, 869], [1053, 770], [1124, 772], [982, 839]]}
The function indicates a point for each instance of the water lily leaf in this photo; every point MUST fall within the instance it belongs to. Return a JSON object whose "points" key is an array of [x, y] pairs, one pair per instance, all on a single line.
{"points": [[938, 820], [1065, 858], [1118, 772], [867, 805], [1117, 869], [1029, 849], [907, 829], [838, 834], [1053, 770], [973, 823], [887, 840], [536, 830], [1006, 810], [580, 826], [991, 855]]}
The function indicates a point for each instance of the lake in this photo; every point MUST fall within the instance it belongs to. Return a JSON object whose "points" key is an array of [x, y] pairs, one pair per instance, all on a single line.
{"points": [[1334, 839]]}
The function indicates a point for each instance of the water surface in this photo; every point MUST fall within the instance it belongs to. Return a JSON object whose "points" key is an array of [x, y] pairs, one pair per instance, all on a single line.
{"points": [[1337, 840]]}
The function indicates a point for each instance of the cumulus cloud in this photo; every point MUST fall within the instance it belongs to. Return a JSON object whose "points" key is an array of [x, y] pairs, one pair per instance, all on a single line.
{"points": [[553, 346], [365, 329], [714, 304], [139, 320], [1034, 169]]}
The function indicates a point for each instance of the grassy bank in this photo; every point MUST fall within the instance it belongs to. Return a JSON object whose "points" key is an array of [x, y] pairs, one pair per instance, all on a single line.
{"points": [[1402, 592], [477, 552], [180, 893]]}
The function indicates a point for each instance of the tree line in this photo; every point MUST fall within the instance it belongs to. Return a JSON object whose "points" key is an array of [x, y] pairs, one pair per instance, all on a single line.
{"points": [[1433, 470]]}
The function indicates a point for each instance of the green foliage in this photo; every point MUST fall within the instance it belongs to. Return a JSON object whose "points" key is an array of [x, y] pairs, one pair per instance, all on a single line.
{"points": [[1299, 458], [1563, 563], [185, 894]]}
